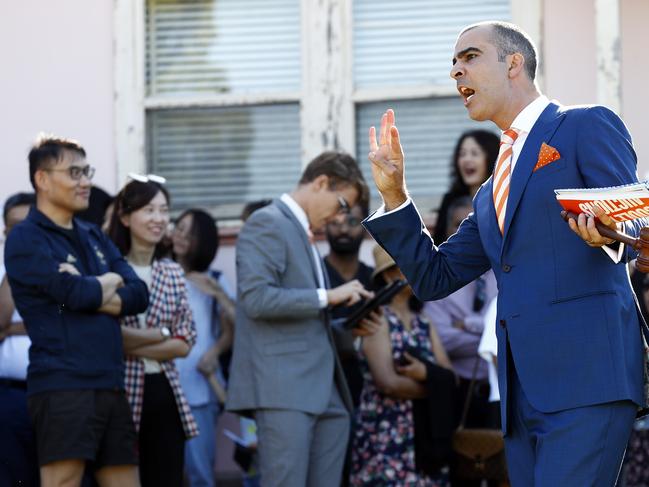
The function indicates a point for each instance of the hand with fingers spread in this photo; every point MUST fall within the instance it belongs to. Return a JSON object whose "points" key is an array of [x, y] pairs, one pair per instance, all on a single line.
{"points": [[585, 227], [348, 294], [387, 159]]}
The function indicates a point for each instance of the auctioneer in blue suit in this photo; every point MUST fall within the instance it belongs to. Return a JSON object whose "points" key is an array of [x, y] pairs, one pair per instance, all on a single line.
{"points": [[569, 343]]}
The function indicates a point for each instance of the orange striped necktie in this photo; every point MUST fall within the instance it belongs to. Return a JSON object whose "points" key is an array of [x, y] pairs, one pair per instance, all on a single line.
{"points": [[502, 175]]}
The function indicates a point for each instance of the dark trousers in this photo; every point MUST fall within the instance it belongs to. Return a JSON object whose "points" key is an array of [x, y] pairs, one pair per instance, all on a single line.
{"points": [[18, 462], [573, 447], [161, 437]]}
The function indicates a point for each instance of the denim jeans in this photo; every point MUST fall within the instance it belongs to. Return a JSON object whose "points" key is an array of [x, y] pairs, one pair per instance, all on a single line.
{"points": [[200, 451]]}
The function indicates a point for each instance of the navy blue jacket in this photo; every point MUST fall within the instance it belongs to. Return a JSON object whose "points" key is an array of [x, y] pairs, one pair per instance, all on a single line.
{"points": [[73, 345], [566, 311]]}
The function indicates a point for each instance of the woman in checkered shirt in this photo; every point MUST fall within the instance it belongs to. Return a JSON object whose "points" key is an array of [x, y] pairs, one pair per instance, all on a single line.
{"points": [[152, 340]]}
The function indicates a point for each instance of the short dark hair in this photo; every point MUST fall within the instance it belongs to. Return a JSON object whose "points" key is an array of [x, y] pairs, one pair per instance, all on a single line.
{"points": [[132, 197], [461, 202], [18, 199], [203, 240], [365, 207], [253, 206], [49, 149], [341, 168], [509, 39], [488, 142], [99, 201]]}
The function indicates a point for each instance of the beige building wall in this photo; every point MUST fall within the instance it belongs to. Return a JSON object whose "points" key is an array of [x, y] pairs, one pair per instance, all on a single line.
{"points": [[57, 76], [570, 68], [634, 20], [567, 51]]}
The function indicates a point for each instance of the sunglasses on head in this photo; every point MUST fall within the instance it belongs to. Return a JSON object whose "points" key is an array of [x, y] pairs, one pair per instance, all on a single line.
{"points": [[145, 178]]}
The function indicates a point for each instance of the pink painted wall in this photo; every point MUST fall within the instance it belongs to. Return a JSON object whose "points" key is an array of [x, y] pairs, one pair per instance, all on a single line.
{"points": [[57, 76], [568, 51], [634, 19]]}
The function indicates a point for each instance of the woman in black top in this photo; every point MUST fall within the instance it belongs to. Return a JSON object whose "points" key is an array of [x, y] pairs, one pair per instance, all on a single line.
{"points": [[473, 162]]}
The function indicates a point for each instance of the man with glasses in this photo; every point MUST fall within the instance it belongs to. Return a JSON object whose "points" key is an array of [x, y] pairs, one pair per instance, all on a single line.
{"points": [[70, 284], [284, 367]]}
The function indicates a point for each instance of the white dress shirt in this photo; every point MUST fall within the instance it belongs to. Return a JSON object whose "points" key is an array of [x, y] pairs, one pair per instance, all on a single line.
{"points": [[299, 213], [488, 348]]}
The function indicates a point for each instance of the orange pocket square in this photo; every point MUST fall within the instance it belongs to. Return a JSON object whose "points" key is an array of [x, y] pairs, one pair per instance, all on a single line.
{"points": [[547, 154]]}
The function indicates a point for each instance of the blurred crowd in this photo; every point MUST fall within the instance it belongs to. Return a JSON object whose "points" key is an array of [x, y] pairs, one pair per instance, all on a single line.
{"points": [[121, 343]]}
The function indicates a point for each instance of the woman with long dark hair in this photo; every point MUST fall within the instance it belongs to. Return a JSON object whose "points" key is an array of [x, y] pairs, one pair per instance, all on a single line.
{"points": [[195, 240], [473, 162], [152, 340]]}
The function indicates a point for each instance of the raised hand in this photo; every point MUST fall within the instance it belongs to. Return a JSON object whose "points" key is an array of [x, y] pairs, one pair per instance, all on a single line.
{"points": [[387, 159]]}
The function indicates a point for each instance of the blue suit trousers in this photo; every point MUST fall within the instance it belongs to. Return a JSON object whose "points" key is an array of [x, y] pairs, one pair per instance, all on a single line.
{"points": [[571, 448]]}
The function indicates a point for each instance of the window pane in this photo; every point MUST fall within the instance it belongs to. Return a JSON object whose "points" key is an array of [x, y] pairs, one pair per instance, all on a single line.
{"points": [[224, 46], [429, 129], [221, 158], [410, 42]]}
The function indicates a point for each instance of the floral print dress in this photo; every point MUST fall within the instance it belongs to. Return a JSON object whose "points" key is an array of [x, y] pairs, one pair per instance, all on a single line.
{"points": [[383, 443]]}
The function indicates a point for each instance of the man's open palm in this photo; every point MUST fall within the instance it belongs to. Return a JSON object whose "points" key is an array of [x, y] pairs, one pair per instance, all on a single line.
{"points": [[386, 155]]}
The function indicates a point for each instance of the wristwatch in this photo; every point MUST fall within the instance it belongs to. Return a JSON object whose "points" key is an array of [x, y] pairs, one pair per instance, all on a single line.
{"points": [[165, 332]]}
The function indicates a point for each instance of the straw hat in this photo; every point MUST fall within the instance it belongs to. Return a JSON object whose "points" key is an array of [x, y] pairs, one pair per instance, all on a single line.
{"points": [[382, 260]]}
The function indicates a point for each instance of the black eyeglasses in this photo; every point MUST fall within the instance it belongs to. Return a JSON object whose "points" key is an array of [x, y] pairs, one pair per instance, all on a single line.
{"points": [[76, 172], [344, 206]]}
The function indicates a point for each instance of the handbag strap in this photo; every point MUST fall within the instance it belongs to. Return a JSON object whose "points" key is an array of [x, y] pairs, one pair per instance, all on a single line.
{"points": [[469, 394]]}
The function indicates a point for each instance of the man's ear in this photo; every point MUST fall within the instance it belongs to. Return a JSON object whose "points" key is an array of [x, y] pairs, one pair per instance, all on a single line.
{"points": [[516, 63], [320, 182], [41, 180]]}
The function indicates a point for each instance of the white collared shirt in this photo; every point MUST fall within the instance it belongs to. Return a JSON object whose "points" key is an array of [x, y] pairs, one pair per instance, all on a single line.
{"points": [[299, 213], [524, 122]]}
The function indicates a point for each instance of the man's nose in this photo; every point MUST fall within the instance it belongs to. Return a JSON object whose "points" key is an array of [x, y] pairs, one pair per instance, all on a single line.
{"points": [[457, 71]]}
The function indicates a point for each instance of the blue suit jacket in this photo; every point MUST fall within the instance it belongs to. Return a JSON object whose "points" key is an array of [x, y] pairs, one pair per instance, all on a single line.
{"points": [[567, 310]]}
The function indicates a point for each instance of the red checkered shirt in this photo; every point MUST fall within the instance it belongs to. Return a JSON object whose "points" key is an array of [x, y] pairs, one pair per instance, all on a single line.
{"points": [[168, 306]]}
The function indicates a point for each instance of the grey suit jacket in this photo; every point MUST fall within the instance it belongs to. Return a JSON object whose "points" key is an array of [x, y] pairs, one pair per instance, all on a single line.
{"points": [[283, 354]]}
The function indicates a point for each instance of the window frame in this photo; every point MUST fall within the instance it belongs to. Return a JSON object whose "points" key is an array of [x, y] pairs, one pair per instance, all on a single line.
{"points": [[327, 99]]}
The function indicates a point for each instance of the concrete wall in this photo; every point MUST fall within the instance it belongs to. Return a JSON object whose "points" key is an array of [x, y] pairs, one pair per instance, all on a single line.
{"points": [[57, 76]]}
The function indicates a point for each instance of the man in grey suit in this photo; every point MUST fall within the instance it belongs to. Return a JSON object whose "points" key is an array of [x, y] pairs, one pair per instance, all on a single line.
{"points": [[284, 368]]}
